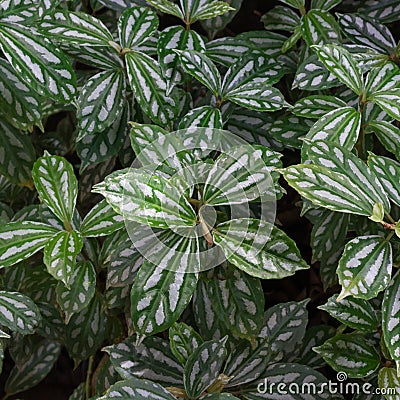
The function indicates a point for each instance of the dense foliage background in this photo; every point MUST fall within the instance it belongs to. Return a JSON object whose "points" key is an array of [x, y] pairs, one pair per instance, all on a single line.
{"points": [[88, 86]]}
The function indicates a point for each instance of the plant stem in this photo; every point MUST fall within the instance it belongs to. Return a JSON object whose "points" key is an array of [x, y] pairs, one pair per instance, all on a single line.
{"points": [[88, 387]]}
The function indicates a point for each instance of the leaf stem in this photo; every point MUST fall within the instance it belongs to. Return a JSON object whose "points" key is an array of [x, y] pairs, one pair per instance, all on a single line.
{"points": [[88, 387]]}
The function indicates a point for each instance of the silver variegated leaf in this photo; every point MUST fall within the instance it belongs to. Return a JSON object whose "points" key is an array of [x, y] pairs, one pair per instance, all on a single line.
{"points": [[106, 375], [176, 38], [350, 353], [136, 25], [57, 185], [281, 18], [356, 313], [35, 368], [256, 96], [341, 64], [202, 117], [365, 267], [382, 78], [247, 361], [240, 175], [340, 126], [76, 28], [147, 199], [18, 312], [389, 101], [97, 56], [258, 248], [149, 88], [167, 7], [20, 105], [101, 220], [387, 171], [159, 295], [203, 366], [138, 389], [367, 32], [324, 4], [345, 162], [284, 327], [38, 62], [125, 261], [239, 302], [201, 68], [389, 383], [203, 9], [82, 289], [319, 27], [19, 240], [100, 102], [312, 75], [384, 11], [390, 319], [316, 106], [85, 330], [59, 255], [152, 359], [388, 135], [17, 154], [183, 341]]}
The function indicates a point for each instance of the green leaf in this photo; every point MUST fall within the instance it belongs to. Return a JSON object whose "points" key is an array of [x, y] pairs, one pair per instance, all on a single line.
{"points": [[256, 96], [159, 296], [341, 64], [203, 9], [294, 3], [100, 102], [152, 359], [35, 368], [386, 170], [75, 28], [258, 248], [389, 101], [291, 40], [324, 4], [57, 185], [85, 330], [356, 313], [184, 340], [316, 106], [139, 389], [390, 318], [319, 27], [203, 366], [340, 126], [202, 117], [367, 32], [285, 326], [350, 353], [382, 78], [388, 380], [147, 199], [19, 104], [176, 38], [17, 154], [239, 302], [201, 68], [282, 18], [38, 62], [136, 25], [149, 88], [240, 175], [312, 75], [79, 392], [365, 267], [388, 135], [167, 7], [59, 255], [19, 240], [18, 312], [101, 220], [83, 287]]}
